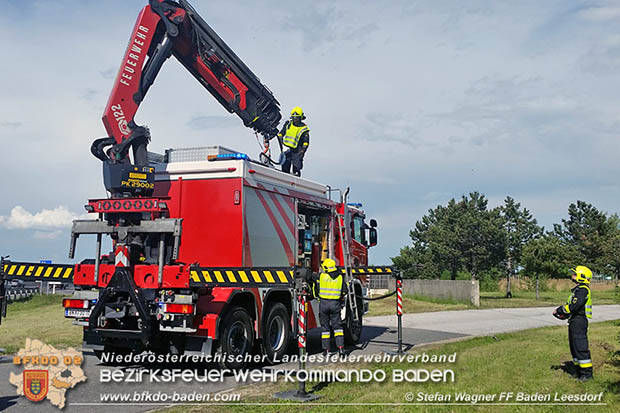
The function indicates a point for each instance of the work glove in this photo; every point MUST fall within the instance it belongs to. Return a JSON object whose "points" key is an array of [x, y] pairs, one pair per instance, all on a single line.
{"points": [[560, 314]]}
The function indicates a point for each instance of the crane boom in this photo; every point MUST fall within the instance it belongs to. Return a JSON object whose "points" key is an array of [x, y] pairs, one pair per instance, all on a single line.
{"points": [[167, 28]]}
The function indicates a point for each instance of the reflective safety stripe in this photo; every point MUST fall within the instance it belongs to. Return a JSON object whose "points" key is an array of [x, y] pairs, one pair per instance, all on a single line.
{"points": [[588, 308], [293, 134], [338, 333], [330, 288], [566, 308], [326, 335]]}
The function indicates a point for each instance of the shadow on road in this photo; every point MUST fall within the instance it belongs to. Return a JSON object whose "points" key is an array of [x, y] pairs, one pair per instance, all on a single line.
{"points": [[7, 401]]}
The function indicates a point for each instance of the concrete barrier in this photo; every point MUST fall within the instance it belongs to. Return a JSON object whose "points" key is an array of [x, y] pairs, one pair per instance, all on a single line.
{"points": [[458, 290]]}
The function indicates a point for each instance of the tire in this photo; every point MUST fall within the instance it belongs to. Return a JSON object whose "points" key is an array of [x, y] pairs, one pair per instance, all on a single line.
{"points": [[276, 332], [353, 330], [236, 338]]}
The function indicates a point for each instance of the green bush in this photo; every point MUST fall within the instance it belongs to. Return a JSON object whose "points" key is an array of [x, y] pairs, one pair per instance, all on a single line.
{"points": [[489, 280]]}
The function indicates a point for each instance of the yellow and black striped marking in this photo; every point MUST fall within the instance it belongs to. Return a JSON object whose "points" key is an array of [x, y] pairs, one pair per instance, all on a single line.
{"points": [[36, 271], [373, 270], [240, 277]]}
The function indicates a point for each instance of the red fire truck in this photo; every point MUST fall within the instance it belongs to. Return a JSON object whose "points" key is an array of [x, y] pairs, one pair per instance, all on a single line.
{"points": [[233, 231], [206, 242]]}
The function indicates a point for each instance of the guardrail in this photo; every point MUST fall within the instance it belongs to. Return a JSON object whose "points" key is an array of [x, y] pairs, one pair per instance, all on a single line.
{"points": [[18, 294], [381, 282]]}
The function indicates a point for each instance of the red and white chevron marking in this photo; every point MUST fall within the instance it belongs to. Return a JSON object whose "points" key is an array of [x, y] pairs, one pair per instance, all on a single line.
{"points": [[301, 341], [399, 297], [121, 256]]}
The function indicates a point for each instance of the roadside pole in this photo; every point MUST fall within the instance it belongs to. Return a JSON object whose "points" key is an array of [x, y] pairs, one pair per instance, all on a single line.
{"points": [[302, 292], [399, 313]]}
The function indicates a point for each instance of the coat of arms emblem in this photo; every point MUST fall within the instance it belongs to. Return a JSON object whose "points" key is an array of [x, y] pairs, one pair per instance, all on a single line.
{"points": [[35, 384]]}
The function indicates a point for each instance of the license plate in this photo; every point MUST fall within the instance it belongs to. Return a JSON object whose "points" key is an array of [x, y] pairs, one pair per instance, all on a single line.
{"points": [[77, 313]]}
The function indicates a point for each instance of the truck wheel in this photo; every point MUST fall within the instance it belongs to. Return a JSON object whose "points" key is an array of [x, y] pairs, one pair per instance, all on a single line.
{"points": [[236, 338], [276, 331], [353, 329]]}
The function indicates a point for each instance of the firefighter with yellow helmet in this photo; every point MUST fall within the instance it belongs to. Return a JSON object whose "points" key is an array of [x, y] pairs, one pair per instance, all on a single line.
{"points": [[331, 293], [578, 310], [295, 135]]}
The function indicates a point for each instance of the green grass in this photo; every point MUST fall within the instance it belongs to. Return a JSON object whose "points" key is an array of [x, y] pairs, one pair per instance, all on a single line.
{"points": [[414, 304], [527, 361], [494, 299], [546, 298], [42, 318]]}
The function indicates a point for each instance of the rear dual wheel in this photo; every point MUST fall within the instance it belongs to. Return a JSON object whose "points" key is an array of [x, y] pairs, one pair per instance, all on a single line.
{"points": [[276, 332]]}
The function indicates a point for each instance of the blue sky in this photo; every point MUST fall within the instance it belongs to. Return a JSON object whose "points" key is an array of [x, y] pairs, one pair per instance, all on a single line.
{"points": [[410, 103]]}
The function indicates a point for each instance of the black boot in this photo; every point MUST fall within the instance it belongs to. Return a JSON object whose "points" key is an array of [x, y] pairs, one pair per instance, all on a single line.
{"points": [[341, 352], [585, 374]]}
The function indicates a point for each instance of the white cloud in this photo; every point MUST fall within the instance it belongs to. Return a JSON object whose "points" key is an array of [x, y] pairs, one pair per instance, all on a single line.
{"points": [[601, 13], [47, 234], [20, 218]]}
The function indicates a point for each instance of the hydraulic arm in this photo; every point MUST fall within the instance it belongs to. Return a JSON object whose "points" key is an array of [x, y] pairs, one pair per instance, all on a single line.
{"points": [[168, 28]]}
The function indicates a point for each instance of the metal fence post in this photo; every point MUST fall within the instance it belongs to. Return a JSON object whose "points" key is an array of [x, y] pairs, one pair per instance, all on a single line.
{"points": [[399, 313], [302, 292]]}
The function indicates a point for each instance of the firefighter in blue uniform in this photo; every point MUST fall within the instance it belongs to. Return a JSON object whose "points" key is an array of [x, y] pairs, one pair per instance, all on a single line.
{"points": [[295, 135], [331, 293], [578, 310]]}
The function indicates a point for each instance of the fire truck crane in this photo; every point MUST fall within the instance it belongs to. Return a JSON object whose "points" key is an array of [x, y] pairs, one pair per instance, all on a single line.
{"points": [[206, 242]]}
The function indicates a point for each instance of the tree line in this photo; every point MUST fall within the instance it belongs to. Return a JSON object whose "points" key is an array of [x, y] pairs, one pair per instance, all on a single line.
{"points": [[466, 236]]}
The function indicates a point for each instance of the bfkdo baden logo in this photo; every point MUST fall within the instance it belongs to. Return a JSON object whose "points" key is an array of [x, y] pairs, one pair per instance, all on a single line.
{"points": [[48, 373], [36, 383]]}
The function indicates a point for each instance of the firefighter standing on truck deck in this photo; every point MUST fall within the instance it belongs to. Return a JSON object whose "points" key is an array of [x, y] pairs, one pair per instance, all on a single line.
{"points": [[332, 290], [578, 309], [295, 135]]}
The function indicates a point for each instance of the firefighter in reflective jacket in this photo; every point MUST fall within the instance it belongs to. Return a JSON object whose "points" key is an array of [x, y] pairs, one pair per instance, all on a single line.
{"points": [[331, 292], [295, 135], [578, 310]]}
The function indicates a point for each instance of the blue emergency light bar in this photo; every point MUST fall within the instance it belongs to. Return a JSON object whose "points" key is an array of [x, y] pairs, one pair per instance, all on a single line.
{"points": [[355, 204], [237, 155], [224, 156]]}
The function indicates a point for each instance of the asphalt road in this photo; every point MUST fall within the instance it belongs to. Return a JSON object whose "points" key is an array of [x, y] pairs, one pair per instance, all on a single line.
{"points": [[380, 334], [489, 321]]}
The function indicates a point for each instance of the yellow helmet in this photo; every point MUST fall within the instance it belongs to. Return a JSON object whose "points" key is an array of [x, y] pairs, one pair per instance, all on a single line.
{"points": [[583, 274], [297, 111], [329, 265]]}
